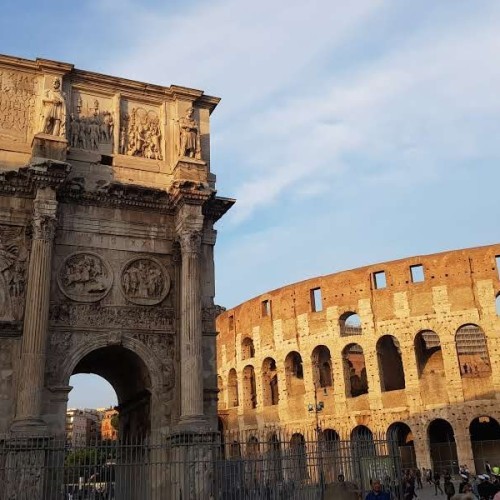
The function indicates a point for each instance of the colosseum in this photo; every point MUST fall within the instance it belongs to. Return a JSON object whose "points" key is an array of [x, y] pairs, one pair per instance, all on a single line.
{"points": [[408, 348]]}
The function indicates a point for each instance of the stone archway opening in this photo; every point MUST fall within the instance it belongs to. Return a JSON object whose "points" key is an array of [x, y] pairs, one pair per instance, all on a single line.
{"points": [[270, 391], [392, 376], [91, 416], [485, 441], [400, 438], [474, 362], [430, 366], [442, 446], [129, 376], [356, 381]]}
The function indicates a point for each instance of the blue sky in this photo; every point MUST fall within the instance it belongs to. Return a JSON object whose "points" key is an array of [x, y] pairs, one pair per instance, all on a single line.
{"points": [[349, 132]]}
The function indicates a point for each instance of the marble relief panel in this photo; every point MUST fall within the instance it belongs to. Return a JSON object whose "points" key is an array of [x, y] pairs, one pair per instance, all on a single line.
{"points": [[141, 131], [91, 122], [18, 91]]}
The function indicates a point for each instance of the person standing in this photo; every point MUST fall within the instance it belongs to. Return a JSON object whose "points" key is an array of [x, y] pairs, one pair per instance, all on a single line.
{"points": [[437, 482], [418, 476], [377, 493]]}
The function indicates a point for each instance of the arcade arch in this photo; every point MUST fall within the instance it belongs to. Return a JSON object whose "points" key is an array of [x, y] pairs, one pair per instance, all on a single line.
{"points": [[430, 366], [356, 382], [249, 388], [350, 324], [485, 441], [129, 376], [270, 391], [474, 362], [322, 366], [443, 448], [232, 389], [400, 436], [247, 348], [392, 376], [299, 456], [332, 454], [222, 393], [294, 374]]}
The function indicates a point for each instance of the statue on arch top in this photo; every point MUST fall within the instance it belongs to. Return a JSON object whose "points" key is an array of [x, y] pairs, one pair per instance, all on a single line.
{"points": [[190, 146], [54, 110]]}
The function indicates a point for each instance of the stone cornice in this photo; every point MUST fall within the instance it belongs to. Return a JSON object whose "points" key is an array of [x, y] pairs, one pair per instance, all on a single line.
{"points": [[216, 207], [25, 181], [112, 84], [118, 195], [191, 193]]}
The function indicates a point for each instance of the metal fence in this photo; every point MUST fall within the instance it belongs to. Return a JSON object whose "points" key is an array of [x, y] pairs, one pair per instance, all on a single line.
{"points": [[272, 465]]}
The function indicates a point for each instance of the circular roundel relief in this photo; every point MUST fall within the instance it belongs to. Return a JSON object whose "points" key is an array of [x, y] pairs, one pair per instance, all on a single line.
{"points": [[85, 277], [144, 281]]}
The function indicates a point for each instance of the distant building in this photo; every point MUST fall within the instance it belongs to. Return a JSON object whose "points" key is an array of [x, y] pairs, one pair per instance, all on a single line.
{"points": [[108, 431], [83, 426]]}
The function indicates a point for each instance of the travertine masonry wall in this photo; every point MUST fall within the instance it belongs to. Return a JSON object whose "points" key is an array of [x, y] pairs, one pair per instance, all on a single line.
{"points": [[459, 288]]}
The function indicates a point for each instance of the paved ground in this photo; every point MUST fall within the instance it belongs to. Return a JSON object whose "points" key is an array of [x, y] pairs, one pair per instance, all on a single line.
{"points": [[428, 493]]}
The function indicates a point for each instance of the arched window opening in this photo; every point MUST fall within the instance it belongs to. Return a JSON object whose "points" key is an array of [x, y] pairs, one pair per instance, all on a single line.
{"points": [[332, 451], [322, 367], [232, 389], [442, 446], [485, 440], [249, 388], [428, 352], [270, 382], [247, 348], [497, 304], [350, 324], [362, 445], [430, 367], [254, 467], [221, 397], [298, 456], [274, 464], [356, 381], [294, 374], [221, 429], [392, 376], [235, 449], [472, 352], [401, 444], [253, 448]]}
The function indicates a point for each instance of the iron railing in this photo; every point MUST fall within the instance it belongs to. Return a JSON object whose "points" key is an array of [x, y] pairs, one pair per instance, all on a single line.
{"points": [[271, 464]]}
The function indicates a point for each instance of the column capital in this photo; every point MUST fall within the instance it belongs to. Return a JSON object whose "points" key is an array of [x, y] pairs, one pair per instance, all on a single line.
{"points": [[44, 214], [190, 241]]}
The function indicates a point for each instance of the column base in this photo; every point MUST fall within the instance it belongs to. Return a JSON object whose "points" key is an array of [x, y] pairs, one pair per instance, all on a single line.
{"points": [[192, 423], [29, 427]]}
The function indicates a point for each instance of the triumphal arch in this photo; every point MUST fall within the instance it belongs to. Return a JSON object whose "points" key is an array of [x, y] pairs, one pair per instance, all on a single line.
{"points": [[107, 213]]}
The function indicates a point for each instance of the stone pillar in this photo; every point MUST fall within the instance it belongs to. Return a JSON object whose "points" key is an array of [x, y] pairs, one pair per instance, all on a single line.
{"points": [[35, 331], [191, 330], [465, 454]]}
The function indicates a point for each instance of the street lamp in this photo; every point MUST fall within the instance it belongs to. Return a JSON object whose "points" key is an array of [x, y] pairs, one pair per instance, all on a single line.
{"points": [[318, 407]]}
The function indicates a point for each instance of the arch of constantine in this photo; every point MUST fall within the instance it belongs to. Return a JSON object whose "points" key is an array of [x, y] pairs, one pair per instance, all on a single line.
{"points": [[107, 213], [408, 349]]}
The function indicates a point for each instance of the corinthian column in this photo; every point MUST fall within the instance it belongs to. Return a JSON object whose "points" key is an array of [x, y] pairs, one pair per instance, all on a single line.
{"points": [[35, 330], [191, 328]]}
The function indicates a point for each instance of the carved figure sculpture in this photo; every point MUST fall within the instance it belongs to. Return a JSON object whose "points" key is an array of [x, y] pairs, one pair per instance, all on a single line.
{"points": [[54, 110], [144, 281], [189, 136], [85, 277], [141, 134], [12, 273]]}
